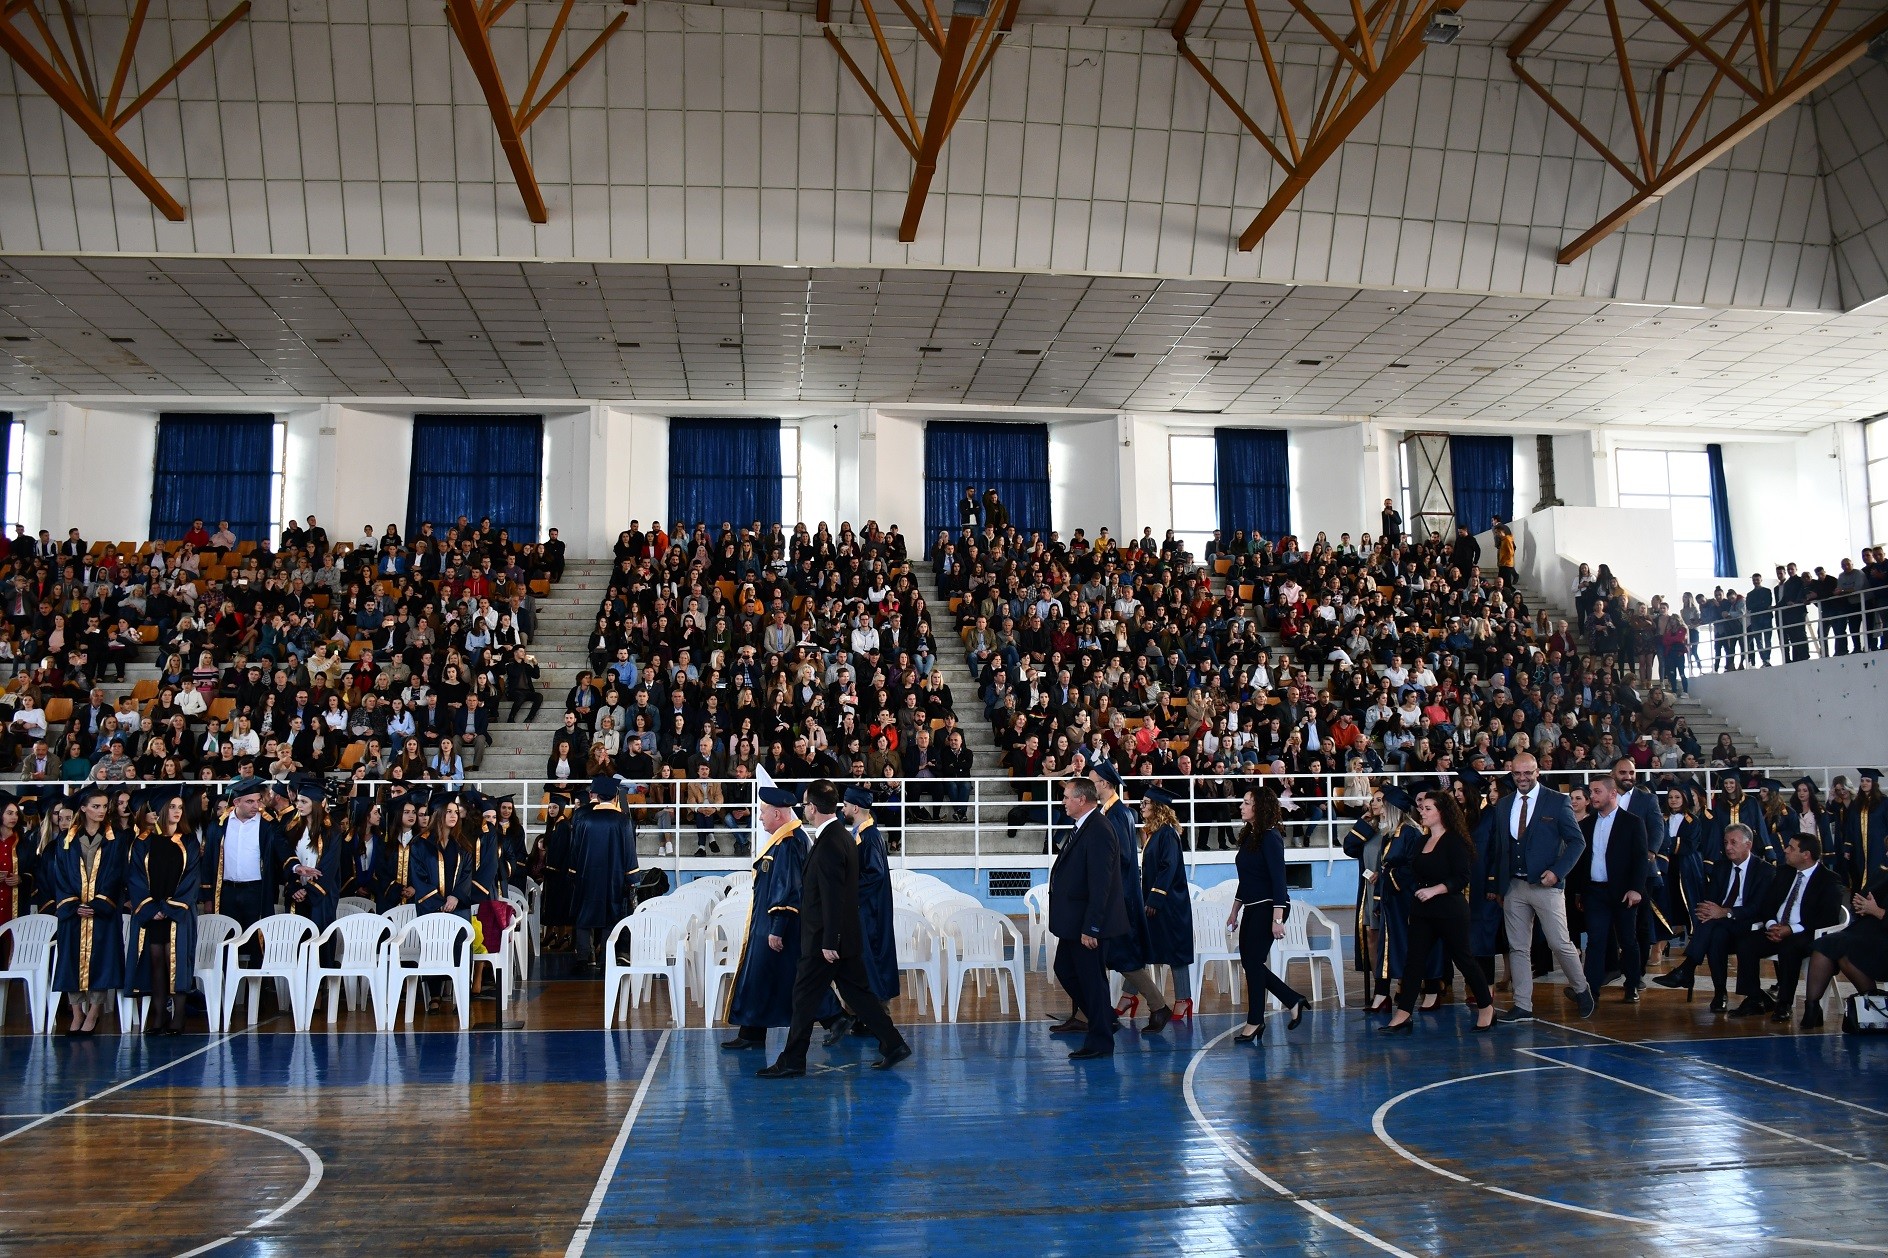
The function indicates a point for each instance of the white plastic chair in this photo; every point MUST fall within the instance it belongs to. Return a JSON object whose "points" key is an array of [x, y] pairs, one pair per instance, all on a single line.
{"points": [[1036, 900], [282, 936], [440, 945], [527, 932], [985, 941], [691, 914], [657, 946], [31, 964], [920, 949], [1297, 946], [502, 961], [363, 944], [1213, 944], [353, 904], [720, 952], [213, 931]]}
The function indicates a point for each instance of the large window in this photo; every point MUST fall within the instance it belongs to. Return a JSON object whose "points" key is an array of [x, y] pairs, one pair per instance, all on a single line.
{"points": [[214, 466], [1678, 481], [1875, 450], [16, 459], [1193, 464], [789, 477]]}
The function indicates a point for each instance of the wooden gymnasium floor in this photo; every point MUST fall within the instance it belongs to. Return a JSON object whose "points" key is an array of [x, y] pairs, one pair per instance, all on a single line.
{"points": [[1650, 1129]]}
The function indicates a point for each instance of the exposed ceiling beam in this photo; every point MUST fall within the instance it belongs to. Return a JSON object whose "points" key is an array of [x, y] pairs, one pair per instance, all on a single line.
{"points": [[1752, 62], [65, 74], [472, 22], [1382, 43], [966, 44]]}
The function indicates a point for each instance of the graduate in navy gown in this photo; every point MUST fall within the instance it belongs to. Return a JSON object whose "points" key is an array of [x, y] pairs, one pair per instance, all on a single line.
{"points": [[399, 850], [162, 877], [88, 871], [488, 847], [1168, 899], [1734, 806], [314, 888], [762, 996], [1389, 813], [1487, 932], [603, 853], [1127, 955], [361, 848], [440, 868], [512, 857], [875, 913], [557, 907]]}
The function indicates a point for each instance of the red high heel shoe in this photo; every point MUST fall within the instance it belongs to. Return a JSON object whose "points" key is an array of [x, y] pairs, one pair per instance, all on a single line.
{"points": [[1183, 1011], [1129, 1006]]}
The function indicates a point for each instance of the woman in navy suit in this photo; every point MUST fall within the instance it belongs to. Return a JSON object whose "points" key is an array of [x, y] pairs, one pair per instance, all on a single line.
{"points": [[1169, 906], [1264, 901]]}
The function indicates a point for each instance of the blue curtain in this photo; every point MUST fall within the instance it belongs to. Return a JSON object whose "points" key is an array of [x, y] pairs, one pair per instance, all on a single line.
{"points": [[1013, 459], [1254, 472], [476, 466], [210, 468], [725, 471], [1483, 480], [1724, 554], [12, 508]]}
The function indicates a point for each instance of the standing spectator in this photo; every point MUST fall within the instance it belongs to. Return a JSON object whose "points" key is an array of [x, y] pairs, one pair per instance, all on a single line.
{"points": [[1441, 872], [1539, 843], [1259, 908]]}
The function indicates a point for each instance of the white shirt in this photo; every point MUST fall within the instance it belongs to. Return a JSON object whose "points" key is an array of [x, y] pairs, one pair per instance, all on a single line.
{"points": [[1523, 798], [1602, 835], [242, 850], [1800, 890], [1740, 878]]}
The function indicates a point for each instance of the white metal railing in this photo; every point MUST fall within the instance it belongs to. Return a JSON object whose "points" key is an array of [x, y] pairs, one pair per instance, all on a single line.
{"points": [[1842, 624], [999, 825]]}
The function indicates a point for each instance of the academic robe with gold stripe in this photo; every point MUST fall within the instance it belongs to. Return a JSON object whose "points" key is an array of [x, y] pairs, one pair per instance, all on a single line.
{"points": [[179, 908], [763, 981], [91, 953]]}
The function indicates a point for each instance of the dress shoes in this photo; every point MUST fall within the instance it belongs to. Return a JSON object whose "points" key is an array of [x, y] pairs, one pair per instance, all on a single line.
{"points": [[1720, 1002], [1090, 1054], [1750, 1007], [837, 1031], [1782, 1017], [1678, 980], [1812, 1017], [1157, 1021], [1632, 995], [782, 1070], [891, 1057], [738, 1043], [1074, 1026]]}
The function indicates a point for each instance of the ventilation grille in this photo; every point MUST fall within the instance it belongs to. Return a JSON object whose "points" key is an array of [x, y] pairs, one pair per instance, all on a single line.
{"points": [[1010, 883]]}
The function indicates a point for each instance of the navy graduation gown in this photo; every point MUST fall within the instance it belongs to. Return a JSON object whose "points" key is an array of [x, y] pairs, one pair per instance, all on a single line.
{"points": [[1164, 889], [763, 981], [875, 912], [393, 871], [1485, 917], [603, 854], [440, 873], [512, 858], [360, 865], [179, 909], [91, 954], [1398, 897], [1864, 843], [323, 891], [485, 877], [1127, 952], [557, 906], [1365, 846], [1750, 813]]}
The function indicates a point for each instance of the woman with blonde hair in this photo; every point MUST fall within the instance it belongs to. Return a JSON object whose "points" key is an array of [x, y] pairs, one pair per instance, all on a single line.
{"points": [[1169, 903]]}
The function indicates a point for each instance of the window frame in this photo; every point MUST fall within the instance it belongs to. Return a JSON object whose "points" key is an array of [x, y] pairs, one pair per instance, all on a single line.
{"points": [[1194, 540], [1682, 545], [1875, 470], [790, 476]]}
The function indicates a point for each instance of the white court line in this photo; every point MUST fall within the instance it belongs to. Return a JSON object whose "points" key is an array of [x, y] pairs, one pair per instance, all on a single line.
{"points": [[315, 1167], [1649, 1046], [1227, 1147], [119, 1087], [581, 1237], [1377, 1125]]}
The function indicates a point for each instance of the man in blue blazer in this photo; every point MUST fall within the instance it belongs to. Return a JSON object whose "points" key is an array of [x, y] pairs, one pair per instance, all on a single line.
{"points": [[1537, 842], [1732, 907], [1610, 881], [1086, 908]]}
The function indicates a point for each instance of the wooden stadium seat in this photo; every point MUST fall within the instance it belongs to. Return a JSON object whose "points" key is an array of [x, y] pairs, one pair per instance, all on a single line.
{"points": [[320, 601], [145, 550], [220, 709], [99, 548], [351, 756], [1221, 567], [145, 689], [147, 634], [243, 548], [1246, 593], [58, 711], [358, 648], [727, 589], [127, 548], [541, 587]]}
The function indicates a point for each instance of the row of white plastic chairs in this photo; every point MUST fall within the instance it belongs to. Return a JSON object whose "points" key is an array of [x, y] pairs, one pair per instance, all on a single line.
{"points": [[370, 952], [1214, 944], [692, 938]]}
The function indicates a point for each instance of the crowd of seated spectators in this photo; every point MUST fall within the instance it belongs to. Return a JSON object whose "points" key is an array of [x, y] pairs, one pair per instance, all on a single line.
{"points": [[1312, 667], [378, 657], [719, 650]]}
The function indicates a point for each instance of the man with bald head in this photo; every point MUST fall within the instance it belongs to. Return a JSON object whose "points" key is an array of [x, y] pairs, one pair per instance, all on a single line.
{"points": [[1537, 842]]}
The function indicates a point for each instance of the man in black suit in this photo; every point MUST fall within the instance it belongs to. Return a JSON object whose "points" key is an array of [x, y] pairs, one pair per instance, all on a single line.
{"points": [[1642, 804], [1610, 882], [1797, 907], [554, 555], [832, 947], [1733, 904], [1085, 908], [74, 546]]}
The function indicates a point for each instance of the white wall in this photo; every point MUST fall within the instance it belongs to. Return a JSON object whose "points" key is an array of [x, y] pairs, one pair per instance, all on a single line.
{"points": [[97, 462], [1085, 475], [1788, 502], [1327, 466], [1551, 545], [896, 456], [1818, 712], [374, 465], [1146, 478], [647, 485]]}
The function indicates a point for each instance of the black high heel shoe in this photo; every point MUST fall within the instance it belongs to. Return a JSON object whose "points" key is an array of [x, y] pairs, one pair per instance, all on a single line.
{"points": [[1297, 1015], [1251, 1035], [1478, 1028], [1406, 1027]]}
